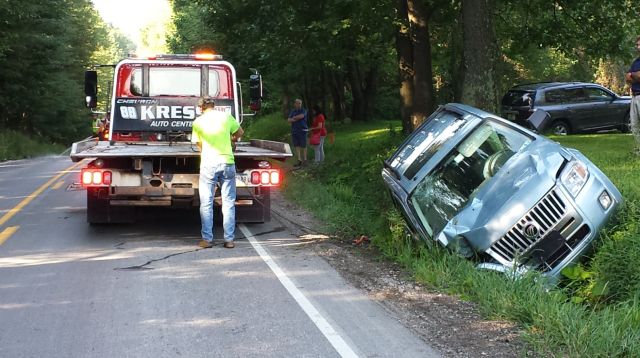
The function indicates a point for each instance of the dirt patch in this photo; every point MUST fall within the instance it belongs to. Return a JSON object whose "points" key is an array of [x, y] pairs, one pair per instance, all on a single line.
{"points": [[450, 325]]}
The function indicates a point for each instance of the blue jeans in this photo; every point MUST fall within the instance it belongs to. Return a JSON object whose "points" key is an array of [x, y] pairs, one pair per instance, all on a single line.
{"points": [[225, 176], [319, 151]]}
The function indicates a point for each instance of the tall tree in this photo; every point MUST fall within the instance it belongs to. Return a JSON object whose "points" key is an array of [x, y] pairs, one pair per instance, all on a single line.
{"points": [[413, 47], [480, 55]]}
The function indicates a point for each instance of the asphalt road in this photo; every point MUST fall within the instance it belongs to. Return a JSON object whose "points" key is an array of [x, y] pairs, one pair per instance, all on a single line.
{"points": [[68, 289]]}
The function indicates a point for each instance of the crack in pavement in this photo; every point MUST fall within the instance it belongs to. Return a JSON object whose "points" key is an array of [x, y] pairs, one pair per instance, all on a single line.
{"points": [[144, 266]]}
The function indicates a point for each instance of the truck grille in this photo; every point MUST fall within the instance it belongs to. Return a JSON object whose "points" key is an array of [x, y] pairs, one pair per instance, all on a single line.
{"points": [[544, 216], [572, 242]]}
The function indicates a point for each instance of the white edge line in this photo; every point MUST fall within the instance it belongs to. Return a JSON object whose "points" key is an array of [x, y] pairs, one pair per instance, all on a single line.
{"points": [[325, 327]]}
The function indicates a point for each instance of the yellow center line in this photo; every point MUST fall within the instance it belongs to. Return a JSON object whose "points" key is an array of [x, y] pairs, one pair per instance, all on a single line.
{"points": [[4, 235], [58, 185], [33, 195]]}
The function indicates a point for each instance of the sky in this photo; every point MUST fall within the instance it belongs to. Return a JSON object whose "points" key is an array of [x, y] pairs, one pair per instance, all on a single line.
{"points": [[131, 15]]}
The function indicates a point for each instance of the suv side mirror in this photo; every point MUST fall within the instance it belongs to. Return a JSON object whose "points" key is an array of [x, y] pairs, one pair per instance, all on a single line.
{"points": [[255, 92], [539, 119], [91, 88]]}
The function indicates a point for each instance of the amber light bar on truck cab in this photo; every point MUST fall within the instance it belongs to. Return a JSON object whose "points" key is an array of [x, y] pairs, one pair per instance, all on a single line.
{"points": [[269, 177], [195, 56], [95, 177]]}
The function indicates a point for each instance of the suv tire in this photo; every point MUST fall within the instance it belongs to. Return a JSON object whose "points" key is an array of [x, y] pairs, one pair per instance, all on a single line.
{"points": [[626, 126], [560, 127]]}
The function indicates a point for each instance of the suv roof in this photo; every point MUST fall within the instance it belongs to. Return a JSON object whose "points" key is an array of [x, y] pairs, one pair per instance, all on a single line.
{"points": [[544, 85]]}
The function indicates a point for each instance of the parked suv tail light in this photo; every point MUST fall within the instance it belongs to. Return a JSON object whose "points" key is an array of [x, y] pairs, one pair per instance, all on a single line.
{"points": [[93, 177], [269, 177]]}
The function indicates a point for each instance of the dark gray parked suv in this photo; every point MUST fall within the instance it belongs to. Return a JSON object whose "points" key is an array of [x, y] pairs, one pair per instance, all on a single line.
{"points": [[574, 106]]}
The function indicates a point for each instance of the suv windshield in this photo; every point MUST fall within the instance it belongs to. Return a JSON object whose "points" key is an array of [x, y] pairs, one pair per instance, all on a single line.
{"points": [[447, 189], [515, 98]]}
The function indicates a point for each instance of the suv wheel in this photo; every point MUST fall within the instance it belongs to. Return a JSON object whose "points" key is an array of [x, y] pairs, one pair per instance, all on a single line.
{"points": [[626, 126], [560, 128]]}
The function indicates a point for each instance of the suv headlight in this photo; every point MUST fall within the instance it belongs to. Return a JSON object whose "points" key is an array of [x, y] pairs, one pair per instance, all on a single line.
{"points": [[574, 177]]}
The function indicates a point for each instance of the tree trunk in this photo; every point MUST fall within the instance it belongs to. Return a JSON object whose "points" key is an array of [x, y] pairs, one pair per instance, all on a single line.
{"points": [[480, 53], [337, 95], [414, 63], [355, 82], [423, 76], [405, 65], [370, 92]]}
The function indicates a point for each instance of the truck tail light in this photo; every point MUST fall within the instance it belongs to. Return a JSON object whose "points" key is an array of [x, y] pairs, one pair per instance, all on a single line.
{"points": [[86, 177], [275, 177], [96, 178], [269, 177], [255, 177], [106, 178], [92, 177]]}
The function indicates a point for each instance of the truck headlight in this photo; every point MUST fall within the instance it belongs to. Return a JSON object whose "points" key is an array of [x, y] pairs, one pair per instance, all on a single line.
{"points": [[574, 177], [605, 200]]}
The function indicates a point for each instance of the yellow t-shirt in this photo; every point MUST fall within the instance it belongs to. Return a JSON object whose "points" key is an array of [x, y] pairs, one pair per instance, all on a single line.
{"points": [[213, 129]]}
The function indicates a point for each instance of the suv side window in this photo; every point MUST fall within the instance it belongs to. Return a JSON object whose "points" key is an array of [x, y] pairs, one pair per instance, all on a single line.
{"points": [[598, 95], [574, 95], [554, 96]]}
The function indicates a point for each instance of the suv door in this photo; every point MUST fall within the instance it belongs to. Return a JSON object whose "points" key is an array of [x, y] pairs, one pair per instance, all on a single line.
{"points": [[603, 112], [577, 108]]}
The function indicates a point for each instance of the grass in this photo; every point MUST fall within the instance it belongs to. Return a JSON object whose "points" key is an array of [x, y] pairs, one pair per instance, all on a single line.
{"points": [[15, 145], [594, 314]]}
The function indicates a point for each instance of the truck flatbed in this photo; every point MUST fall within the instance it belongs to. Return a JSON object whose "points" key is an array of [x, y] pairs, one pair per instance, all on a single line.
{"points": [[93, 148]]}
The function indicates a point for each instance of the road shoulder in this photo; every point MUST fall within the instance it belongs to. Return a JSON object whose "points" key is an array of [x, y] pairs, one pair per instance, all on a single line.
{"points": [[452, 326]]}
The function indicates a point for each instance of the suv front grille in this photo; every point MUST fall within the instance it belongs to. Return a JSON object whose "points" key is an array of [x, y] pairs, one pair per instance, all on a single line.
{"points": [[544, 216]]}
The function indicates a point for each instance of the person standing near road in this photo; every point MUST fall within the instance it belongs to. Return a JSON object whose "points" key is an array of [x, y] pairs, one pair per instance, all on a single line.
{"points": [[298, 119], [318, 133], [632, 77], [213, 132]]}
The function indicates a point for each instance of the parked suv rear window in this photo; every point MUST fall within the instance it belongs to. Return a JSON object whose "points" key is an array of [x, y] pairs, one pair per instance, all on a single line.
{"points": [[515, 98]]}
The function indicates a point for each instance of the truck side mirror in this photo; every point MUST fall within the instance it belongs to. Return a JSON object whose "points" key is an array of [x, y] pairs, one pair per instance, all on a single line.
{"points": [[91, 88], [539, 119], [255, 92]]}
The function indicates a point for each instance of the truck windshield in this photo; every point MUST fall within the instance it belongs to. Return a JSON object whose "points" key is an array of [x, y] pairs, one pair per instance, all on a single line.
{"points": [[174, 81], [446, 190]]}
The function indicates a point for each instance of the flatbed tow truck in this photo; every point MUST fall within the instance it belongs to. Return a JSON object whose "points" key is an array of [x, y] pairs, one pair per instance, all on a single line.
{"points": [[143, 155]]}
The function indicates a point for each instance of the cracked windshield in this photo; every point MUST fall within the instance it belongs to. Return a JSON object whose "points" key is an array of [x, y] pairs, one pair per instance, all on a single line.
{"points": [[443, 192]]}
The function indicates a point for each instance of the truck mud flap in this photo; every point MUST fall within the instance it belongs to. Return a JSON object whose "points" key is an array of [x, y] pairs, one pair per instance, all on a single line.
{"points": [[100, 212], [259, 212]]}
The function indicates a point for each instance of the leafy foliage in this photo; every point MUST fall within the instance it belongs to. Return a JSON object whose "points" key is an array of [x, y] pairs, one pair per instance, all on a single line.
{"points": [[44, 48]]}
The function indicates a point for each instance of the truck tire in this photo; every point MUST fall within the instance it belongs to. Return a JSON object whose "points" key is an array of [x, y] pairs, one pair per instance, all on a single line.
{"points": [[100, 212]]}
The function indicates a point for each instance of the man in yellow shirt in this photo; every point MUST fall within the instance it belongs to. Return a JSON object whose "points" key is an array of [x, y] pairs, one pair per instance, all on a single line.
{"points": [[213, 132]]}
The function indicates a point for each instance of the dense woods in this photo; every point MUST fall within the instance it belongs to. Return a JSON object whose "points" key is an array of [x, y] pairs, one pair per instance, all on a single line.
{"points": [[45, 46], [358, 59]]}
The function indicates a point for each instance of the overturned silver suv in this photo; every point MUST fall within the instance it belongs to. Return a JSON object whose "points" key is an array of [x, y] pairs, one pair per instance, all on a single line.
{"points": [[492, 190]]}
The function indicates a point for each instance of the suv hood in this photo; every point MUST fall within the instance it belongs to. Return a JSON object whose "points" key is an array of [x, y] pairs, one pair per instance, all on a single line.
{"points": [[505, 198]]}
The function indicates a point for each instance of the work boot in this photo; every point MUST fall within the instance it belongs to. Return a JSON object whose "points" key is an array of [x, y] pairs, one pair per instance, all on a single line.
{"points": [[229, 245], [205, 244]]}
